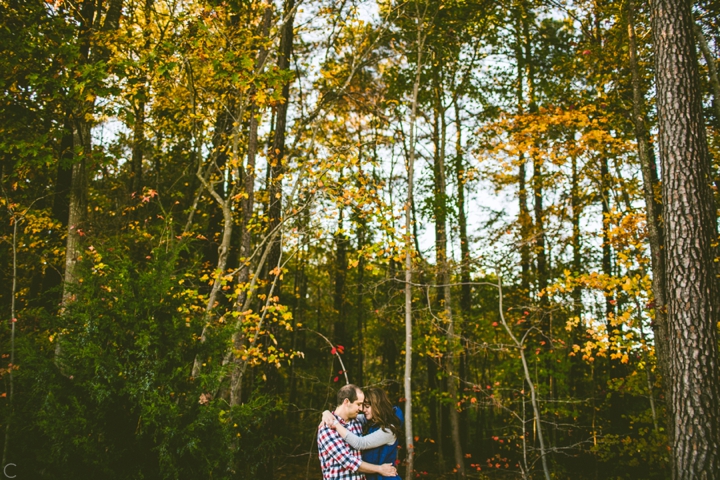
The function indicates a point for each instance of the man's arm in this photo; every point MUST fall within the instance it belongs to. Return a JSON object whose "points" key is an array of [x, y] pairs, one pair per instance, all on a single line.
{"points": [[386, 470]]}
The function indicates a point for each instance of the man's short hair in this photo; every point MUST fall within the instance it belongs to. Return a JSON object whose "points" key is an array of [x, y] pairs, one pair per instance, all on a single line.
{"points": [[349, 391]]}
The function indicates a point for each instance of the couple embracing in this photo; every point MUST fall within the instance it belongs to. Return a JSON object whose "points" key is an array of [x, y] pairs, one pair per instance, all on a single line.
{"points": [[359, 440]]}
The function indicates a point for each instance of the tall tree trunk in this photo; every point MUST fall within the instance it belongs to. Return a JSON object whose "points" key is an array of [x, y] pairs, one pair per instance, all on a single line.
{"points": [[577, 309], [537, 176], [443, 277], [340, 334], [77, 206], [277, 154], [576, 237], [88, 19], [524, 212], [52, 276], [465, 288], [298, 318], [359, 305], [606, 247], [81, 146], [653, 209], [541, 255], [435, 409], [139, 141], [247, 209], [407, 380], [690, 232]]}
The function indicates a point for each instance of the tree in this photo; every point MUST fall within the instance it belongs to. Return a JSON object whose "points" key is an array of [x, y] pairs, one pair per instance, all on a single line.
{"points": [[693, 310]]}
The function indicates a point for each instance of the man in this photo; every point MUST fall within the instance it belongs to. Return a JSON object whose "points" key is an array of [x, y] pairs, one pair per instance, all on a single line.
{"points": [[337, 459]]}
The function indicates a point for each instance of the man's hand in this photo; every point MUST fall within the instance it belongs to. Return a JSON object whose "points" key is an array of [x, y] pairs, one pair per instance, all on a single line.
{"points": [[387, 470]]}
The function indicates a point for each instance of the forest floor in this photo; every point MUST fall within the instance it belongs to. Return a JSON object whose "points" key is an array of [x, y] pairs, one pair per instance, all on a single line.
{"points": [[299, 468]]}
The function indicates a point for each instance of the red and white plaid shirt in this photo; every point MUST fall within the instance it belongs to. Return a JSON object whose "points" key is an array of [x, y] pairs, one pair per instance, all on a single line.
{"points": [[338, 460]]}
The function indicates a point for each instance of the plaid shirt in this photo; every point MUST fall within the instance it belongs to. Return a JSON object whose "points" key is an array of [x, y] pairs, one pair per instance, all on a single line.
{"points": [[338, 460]]}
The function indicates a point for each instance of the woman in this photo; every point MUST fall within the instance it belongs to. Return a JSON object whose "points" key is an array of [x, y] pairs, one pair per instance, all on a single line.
{"points": [[381, 430]]}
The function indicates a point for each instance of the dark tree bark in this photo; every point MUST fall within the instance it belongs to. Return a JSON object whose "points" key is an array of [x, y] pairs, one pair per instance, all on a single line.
{"points": [[277, 154], [690, 231], [540, 252], [360, 311], [576, 206], [465, 288], [434, 410], [606, 247], [52, 276], [524, 218], [340, 334], [138, 147], [537, 176]]}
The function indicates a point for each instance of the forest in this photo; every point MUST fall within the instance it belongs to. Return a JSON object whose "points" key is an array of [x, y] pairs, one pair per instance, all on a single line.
{"points": [[216, 213]]}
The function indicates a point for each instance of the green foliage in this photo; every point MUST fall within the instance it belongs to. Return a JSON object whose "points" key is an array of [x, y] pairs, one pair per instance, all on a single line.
{"points": [[122, 404]]}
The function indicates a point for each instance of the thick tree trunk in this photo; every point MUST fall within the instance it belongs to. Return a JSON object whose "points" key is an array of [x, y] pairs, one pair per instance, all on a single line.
{"points": [[690, 232], [76, 207], [653, 209], [81, 145], [52, 277]]}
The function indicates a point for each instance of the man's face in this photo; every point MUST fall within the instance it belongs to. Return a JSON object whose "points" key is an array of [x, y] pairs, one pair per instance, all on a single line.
{"points": [[356, 407]]}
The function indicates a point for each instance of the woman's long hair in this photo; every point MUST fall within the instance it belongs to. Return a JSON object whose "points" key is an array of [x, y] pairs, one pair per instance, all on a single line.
{"points": [[383, 415]]}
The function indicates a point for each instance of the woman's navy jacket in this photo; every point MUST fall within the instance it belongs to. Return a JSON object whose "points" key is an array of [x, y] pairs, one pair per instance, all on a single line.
{"points": [[383, 454]]}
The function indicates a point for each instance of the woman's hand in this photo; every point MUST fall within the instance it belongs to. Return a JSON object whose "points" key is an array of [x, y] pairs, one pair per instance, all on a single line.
{"points": [[328, 419], [388, 470]]}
